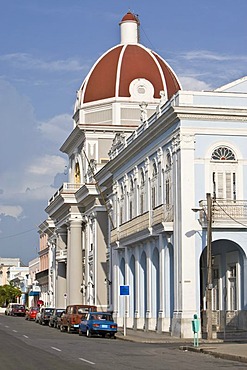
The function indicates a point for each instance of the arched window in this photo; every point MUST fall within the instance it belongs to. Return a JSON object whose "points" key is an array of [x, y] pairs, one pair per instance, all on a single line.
{"points": [[77, 174], [142, 192], [223, 153], [131, 198], [168, 177], [224, 173], [154, 185], [121, 203]]}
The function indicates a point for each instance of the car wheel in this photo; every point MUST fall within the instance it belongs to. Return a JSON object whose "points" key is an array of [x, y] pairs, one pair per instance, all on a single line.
{"points": [[88, 333], [103, 335], [80, 332]]}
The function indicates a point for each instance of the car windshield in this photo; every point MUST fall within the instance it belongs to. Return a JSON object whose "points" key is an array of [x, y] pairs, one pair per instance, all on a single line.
{"points": [[49, 310], [59, 312], [102, 316], [19, 306]]}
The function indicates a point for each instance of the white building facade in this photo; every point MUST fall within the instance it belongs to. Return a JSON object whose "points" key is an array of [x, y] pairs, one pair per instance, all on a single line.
{"points": [[193, 145], [142, 155]]}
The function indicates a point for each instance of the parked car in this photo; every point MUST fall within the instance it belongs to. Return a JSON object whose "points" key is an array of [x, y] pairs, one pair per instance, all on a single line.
{"points": [[15, 309], [45, 314], [57, 313], [31, 313], [100, 323], [59, 320], [18, 310], [37, 317], [71, 319], [8, 309]]}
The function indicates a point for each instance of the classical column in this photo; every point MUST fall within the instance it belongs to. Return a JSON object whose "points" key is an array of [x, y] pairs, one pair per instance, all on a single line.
{"points": [[149, 287], [137, 287], [60, 286], [74, 263], [161, 283]]}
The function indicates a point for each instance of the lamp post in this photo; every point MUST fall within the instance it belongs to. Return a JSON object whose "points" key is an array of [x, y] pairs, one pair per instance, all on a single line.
{"points": [[209, 284], [209, 268]]}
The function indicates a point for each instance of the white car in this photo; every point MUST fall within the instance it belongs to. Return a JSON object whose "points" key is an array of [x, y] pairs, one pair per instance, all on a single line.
{"points": [[37, 317]]}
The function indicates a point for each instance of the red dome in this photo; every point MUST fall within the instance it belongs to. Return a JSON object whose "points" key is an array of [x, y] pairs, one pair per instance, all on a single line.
{"points": [[113, 73]]}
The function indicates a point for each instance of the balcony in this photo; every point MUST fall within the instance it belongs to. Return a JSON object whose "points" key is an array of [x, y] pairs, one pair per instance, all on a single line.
{"points": [[160, 219], [161, 214], [131, 227], [225, 213], [66, 188]]}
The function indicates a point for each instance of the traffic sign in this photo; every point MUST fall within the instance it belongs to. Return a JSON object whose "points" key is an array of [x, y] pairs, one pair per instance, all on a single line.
{"points": [[124, 290]]}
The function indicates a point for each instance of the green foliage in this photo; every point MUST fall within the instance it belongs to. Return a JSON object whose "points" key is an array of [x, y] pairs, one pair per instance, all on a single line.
{"points": [[8, 293]]}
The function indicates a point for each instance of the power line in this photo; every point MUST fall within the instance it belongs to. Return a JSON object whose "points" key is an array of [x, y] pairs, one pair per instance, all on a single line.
{"points": [[232, 218], [14, 235]]}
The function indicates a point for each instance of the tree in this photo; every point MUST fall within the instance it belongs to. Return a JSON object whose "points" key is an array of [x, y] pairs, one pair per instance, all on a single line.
{"points": [[8, 293]]}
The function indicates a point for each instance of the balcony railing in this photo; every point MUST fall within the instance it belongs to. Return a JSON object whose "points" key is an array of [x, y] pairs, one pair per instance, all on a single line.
{"points": [[135, 225], [226, 212], [131, 227], [163, 213], [159, 215], [65, 188]]}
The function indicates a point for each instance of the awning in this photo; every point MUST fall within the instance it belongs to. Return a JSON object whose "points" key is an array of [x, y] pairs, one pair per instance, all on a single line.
{"points": [[32, 293]]}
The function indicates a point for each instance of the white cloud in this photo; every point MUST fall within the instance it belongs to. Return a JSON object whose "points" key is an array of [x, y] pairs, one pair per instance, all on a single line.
{"points": [[48, 165], [192, 83], [57, 128], [209, 55], [12, 211], [28, 62]]}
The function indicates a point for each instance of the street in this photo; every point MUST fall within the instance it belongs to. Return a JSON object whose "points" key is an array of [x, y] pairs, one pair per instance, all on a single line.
{"points": [[26, 345]]}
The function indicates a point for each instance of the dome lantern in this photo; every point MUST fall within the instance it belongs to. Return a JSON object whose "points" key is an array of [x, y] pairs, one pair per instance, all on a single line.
{"points": [[129, 28]]}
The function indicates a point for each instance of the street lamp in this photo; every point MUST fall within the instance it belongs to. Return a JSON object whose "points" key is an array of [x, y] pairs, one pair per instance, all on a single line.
{"points": [[209, 285]]}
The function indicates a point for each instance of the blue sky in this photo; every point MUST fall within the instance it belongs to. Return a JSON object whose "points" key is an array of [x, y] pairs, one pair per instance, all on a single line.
{"points": [[46, 49]]}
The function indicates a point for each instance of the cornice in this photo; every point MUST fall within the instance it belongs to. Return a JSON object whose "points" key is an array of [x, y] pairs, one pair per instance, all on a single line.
{"points": [[76, 137]]}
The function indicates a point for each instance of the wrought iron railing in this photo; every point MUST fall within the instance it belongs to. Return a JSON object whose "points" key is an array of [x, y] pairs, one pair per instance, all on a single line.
{"points": [[225, 211]]}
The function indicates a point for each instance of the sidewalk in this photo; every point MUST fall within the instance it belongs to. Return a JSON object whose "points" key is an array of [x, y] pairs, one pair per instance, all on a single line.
{"points": [[234, 349]]}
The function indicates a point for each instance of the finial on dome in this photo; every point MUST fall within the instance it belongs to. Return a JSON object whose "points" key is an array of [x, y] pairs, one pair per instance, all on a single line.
{"points": [[129, 26]]}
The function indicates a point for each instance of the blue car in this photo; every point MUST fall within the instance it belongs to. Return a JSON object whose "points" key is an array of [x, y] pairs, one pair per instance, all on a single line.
{"points": [[100, 323]]}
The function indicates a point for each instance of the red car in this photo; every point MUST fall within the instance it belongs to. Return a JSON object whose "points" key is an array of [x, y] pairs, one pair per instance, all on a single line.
{"points": [[18, 310], [31, 313]]}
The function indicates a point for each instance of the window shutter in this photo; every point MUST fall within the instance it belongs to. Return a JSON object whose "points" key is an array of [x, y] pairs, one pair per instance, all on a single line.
{"points": [[228, 185]]}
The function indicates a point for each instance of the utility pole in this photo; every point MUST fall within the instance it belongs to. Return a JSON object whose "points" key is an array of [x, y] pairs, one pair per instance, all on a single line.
{"points": [[209, 268]]}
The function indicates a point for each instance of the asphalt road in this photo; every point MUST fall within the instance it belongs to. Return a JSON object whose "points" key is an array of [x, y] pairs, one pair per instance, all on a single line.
{"points": [[26, 345]]}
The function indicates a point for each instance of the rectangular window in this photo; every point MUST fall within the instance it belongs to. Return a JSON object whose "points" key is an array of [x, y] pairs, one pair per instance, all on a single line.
{"points": [[232, 287], [121, 216], [167, 191], [234, 185], [131, 211], [224, 185], [141, 203], [153, 201]]}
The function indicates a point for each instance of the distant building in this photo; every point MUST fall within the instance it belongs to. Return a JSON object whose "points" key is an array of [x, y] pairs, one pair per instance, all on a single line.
{"points": [[33, 285], [13, 271], [5, 264], [44, 277]]}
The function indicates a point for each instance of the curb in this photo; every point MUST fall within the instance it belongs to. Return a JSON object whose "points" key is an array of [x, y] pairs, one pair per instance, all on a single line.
{"points": [[225, 356]]}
